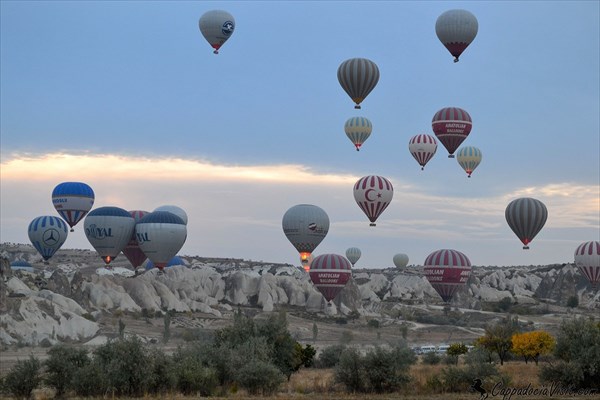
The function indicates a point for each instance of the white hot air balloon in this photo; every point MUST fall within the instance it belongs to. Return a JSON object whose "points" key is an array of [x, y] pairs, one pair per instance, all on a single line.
{"points": [[180, 212], [109, 229], [400, 260], [358, 129], [423, 148], [305, 226], [373, 194], [469, 157], [456, 29], [353, 255], [216, 26], [161, 235]]}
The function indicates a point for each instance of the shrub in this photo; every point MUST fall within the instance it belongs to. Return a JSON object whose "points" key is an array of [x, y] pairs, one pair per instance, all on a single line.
{"points": [[431, 358], [162, 372], [23, 377], [90, 380], [193, 378], [330, 356], [61, 365], [350, 371], [387, 371], [259, 377]]}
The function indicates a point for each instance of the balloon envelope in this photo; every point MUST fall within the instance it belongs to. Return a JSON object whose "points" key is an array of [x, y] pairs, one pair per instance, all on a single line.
{"points": [[21, 265], [180, 212], [526, 217], [353, 255], [132, 250], [109, 229], [451, 126], [173, 262], [330, 273], [468, 158], [47, 234], [358, 129], [423, 148], [358, 77], [400, 260], [305, 226], [216, 26], [447, 271], [456, 29], [587, 259], [373, 194], [73, 200], [161, 235]]}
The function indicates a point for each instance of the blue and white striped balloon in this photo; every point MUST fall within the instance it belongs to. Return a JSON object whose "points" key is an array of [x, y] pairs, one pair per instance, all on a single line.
{"points": [[73, 200], [468, 158], [353, 255], [358, 129], [47, 234]]}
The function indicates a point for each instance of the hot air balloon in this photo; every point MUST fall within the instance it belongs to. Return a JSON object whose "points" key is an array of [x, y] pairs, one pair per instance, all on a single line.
{"points": [[451, 126], [21, 265], [456, 29], [447, 271], [468, 158], [305, 226], [330, 273], [180, 212], [373, 194], [358, 77], [47, 234], [72, 200], [306, 262], [353, 255], [173, 262], [216, 26], [109, 229], [358, 129], [526, 217], [587, 259], [400, 260], [132, 251], [161, 235], [423, 148]]}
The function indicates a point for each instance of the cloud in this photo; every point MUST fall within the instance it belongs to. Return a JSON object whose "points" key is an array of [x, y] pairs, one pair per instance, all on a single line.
{"points": [[236, 210]]}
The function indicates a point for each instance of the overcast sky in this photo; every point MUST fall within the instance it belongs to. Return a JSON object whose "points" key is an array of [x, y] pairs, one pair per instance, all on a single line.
{"points": [[129, 98]]}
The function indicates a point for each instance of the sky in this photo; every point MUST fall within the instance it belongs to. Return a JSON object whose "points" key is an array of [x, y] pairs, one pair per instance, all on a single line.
{"points": [[128, 97]]}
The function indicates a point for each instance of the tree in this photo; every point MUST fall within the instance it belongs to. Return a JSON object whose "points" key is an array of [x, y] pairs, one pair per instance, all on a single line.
{"points": [[61, 365], [455, 350], [531, 345], [315, 331], [498, 337], [23, 377], [167, 327], [573, 302]]}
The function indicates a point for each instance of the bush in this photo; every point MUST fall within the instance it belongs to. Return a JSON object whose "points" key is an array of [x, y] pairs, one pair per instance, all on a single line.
{"points": [[259, 377], [162, 373], [193, 378], [350, 371], [61, 365], [330, 356], [90, 380], [431, 358], [23, 377], [387, 371]]}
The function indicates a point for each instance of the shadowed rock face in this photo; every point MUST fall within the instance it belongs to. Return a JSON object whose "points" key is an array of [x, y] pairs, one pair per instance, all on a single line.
{"points": [[55, 310]]}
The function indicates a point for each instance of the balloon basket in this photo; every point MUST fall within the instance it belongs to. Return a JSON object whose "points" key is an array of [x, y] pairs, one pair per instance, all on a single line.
{"points": [[216, 52], [450, 155], [72, 230], [372, 224], [357, 107], [455, 59], [525, 247]]}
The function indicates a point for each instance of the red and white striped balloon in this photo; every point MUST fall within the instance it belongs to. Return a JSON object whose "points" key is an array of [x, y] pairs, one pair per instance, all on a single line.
{"points": [[330, 273], [587, 259], [451, 126], [447, 271], [373, 194], [423, 148]]}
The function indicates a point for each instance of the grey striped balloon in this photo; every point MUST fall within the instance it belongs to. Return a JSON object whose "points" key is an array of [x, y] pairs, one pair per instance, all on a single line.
{"points": [[358, 77], [526, 217]]}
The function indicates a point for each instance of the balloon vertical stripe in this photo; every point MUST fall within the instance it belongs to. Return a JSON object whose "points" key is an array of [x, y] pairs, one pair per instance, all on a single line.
{"points": [[358, 77], [447, 271], [587, 260]]}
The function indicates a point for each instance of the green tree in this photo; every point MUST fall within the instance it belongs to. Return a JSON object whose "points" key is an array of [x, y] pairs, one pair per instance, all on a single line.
{"points": [[259, 377], [23, 377], [167, 327], [498, 337], [455, 350], [121, 328], [578, 351], [315, 331], [330, 356], [573, 302], [61, 365]]}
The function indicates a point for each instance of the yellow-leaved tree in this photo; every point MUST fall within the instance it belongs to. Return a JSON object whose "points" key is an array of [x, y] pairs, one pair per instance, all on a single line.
{"points": [[532, 345]]}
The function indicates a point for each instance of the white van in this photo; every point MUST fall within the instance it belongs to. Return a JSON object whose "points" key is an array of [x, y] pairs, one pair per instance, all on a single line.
{"points": [[442, 349], [427, 349]]}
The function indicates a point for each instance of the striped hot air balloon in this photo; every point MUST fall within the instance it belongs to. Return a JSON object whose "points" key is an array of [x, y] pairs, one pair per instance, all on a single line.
{"points": [[451, 126], [358, 129], [47, 234], [330, 273], [373, 194], [132, 251], [353, 255], [526, 217], [358, 77], [161, 235], [109, 229], [447, 271], [180, 212], [468, 158], [400, 260], [456, 29], [587, 259], [73, 200], [423, 148], [305, 226], [216, 26]]}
